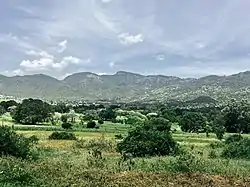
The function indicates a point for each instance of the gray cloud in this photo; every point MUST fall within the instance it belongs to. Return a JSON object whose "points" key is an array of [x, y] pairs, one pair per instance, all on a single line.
{"points": [[193, 38]]}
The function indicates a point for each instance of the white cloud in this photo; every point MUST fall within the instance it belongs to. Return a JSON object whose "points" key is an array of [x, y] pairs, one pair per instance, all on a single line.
{"points": [[111, 64], [13, 73], [49, 64], [37, 65], [160, 57], [128, 39], [43, 54], [62, 46], [71, 60], [106, 1]]}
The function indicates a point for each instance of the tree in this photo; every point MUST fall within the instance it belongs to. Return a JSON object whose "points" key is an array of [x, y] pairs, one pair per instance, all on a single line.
{"points": [[2, 110], [193, 122], [7, 104], [107, 114], [61, 108], [66, 125], [218, 127], [152, 138], [133, 120], [91, 124], [32, 111], [237, 117], [64, 118]]}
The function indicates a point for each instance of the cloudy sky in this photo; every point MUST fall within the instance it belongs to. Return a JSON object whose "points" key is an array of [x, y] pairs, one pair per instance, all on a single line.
{"points": [[184, 38]]}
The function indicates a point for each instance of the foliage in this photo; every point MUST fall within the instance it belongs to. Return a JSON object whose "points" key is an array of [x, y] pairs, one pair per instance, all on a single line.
{"points": [[107, 114], [187, 162], [237, 117], [133, 120], [170, 115], [91, 124], [100, 121], [66, 125], [7, 104], [62, 136], [15, 144], [64, 118], [237, 149], [193, 122], [233, 138], [32, 111], [218, 127], [149, 139], [61, 108], [118, 137], [2, 110]]}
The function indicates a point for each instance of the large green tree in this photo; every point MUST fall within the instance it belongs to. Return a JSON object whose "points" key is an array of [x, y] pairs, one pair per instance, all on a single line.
{"points": [[193, 122], [237, 117], [32, 111]]}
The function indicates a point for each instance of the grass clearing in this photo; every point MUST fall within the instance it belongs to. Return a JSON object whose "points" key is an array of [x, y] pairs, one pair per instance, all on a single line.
{"points": [[62, 164]]}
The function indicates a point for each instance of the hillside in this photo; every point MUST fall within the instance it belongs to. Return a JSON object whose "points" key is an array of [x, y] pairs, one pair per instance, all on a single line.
{"points": [[126, 86]]}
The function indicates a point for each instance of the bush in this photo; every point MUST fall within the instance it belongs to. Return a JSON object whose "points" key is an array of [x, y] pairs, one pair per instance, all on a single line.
{"points": [[62, 136], [237, 149], [100, 121], [15, 144], [118, 137], [150, 139], [67, 126], [233, 138], [91, 124], [187, 162], [64, 118]]}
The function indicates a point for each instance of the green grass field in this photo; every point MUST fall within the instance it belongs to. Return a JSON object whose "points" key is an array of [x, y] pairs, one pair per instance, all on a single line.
{"points": [[60, 163]]}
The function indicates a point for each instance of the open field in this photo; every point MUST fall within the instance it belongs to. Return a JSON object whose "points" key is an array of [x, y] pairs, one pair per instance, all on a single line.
{"points": [[61, 163], [72, 163]]}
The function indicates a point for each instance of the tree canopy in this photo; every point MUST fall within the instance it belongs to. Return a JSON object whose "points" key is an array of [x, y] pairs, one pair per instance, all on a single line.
{"points": [[32, 111]]}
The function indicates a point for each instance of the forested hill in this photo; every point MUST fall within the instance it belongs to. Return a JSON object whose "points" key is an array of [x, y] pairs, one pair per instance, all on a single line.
{"points": [[126, 86]]}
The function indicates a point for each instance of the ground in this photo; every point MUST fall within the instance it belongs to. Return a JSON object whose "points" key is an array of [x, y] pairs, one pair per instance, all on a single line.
{"points": [[63, 164]]}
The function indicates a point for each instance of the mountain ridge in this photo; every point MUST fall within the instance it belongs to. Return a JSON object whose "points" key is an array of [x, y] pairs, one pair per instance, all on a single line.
{"points": [[127, 86]]}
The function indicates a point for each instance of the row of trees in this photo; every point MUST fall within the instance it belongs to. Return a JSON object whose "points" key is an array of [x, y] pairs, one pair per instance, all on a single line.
{"points": [[233, 118]]}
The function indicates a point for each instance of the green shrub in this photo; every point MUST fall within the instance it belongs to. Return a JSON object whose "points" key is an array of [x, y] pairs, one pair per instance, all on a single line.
{"points": [[237, 149], [100, 121], [64, 118], [187, 162], [66, 125], [215, 145], [150, 139], [15, 144], [118, 137], [212, 154], [14, 171], [91, 124], [233, 138], [62, 136]]}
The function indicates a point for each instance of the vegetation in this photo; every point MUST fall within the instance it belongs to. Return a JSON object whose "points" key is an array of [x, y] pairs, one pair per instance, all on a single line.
{"points": [[32, 111], [62, 136], [153, 138], [14, 144], [125, 144], [237, 149]]}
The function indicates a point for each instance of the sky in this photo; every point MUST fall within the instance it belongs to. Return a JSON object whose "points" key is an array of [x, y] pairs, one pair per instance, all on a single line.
{"points": [[179, 38]]}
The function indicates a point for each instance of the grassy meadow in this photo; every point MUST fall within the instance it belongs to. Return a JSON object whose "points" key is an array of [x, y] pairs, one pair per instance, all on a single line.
{"points": [[66, 163]]}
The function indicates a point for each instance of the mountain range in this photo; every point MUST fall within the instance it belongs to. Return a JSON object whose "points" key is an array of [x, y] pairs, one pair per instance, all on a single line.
{"points": [[126, 86]]}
